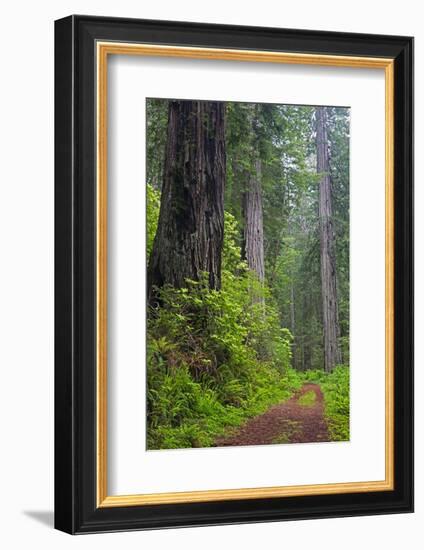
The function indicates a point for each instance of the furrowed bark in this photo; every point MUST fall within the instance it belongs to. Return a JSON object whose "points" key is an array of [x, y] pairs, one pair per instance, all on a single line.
{"points": [[332, 353], [190, 229], [253, 237], [253, 223]]}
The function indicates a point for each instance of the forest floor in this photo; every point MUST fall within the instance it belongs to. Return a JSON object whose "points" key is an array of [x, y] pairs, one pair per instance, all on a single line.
{"points": [[298, 420]]}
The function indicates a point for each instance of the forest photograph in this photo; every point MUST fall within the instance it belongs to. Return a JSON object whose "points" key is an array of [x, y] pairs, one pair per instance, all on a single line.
{"points": [[247, 232]]}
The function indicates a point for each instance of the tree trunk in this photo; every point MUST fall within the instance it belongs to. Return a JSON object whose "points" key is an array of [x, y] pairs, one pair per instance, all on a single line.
{"points": [[332, 353], [293, 325], [253, 223], [190, 229], [253, 237], [292, 310]]}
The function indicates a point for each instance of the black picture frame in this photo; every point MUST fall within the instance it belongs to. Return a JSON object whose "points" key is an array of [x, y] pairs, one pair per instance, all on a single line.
{"points": [[76, 510]]}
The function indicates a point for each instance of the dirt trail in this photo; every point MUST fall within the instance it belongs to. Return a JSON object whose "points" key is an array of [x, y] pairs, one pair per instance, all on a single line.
{"points": [[298, 420]]}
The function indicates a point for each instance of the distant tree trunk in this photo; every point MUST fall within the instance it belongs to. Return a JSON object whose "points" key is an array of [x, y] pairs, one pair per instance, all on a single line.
{"points": [[253, 222], [253, 237], [307, 332], [332, 353], [156, 113], [302, 353], [293, 325], [307, 363], [292, 310], [190, 229]]}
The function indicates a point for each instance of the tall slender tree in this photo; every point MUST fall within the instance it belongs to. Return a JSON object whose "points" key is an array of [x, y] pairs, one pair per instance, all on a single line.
{"points": [[253, 236], [332, 353], [252, 209], [190, 229]]}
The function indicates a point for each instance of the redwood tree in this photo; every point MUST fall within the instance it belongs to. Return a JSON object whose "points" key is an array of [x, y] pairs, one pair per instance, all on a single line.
{"points": [[332, 353], [190, 229], [252, 210]]}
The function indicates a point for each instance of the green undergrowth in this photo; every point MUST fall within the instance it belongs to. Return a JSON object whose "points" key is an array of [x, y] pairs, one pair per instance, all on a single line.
{"points": [[218, 357], [307, 399], [335, 388], [214, 357]]}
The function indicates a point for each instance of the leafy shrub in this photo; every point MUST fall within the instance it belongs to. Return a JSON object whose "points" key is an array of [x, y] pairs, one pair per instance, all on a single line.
{"points": [[153, 206]]}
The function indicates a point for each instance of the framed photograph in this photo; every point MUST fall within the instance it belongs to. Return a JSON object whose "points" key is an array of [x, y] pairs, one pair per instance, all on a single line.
{"points": [[234, 269]]}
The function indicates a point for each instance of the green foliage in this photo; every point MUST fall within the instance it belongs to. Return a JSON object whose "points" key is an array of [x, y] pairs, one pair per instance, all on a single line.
{"points": [[153, 206], [307, 399], [335, 387], [284, 137], [215, 358], [231, 261]]}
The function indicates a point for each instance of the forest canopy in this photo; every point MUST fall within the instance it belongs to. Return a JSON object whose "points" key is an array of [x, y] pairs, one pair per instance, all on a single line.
{"points": [[248, 267]]}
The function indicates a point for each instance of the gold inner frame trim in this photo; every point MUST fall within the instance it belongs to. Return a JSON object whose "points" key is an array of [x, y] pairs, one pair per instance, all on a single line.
{"points": [[103, 50]]}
